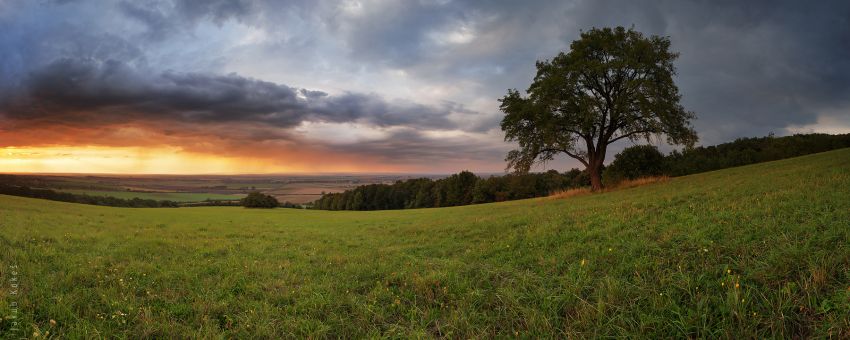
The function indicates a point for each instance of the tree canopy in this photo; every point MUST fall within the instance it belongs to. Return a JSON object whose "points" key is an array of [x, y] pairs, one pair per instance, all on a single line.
{"points": [[257, 199], [613, 84]]}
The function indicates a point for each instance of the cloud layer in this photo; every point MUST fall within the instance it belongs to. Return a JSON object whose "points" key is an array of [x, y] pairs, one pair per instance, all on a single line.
{"points": [[74, 91], [417, 80]]}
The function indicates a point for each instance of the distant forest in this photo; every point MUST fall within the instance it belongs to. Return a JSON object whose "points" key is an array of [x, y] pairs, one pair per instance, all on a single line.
{"points": [[24, 191], [745, 151], [466, 188]]}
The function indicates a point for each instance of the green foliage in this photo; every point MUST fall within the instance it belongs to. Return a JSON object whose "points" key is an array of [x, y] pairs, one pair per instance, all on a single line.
{"points": [[455, 190], [612, 84], [288, 204], [643, 160], [758, 251], [463, 188], [257, 199], [635, 162], [745, 151]]}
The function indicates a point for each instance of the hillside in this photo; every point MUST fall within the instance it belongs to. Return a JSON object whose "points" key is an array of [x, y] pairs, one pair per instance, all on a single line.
{"points": [[755, 251]]}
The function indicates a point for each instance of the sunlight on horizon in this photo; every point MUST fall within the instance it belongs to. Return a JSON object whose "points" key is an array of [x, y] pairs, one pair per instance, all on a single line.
{"points": [[128, 160]]}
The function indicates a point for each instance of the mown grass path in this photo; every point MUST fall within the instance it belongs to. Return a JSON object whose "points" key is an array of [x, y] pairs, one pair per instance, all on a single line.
{"points": [[755, 251]]}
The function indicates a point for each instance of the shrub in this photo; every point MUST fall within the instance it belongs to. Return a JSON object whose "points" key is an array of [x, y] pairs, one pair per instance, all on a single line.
{"points": [[289, 204], [257, 199], [634, 162]]}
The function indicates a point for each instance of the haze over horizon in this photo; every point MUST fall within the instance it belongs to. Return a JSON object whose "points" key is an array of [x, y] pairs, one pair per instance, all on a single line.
{"points": [[266, 86]]}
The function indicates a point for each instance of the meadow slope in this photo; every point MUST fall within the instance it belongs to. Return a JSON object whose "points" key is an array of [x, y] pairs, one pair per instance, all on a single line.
{"points": [[755, 251]]}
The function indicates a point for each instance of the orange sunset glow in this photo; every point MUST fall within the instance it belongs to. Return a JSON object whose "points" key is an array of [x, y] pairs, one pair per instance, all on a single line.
{"points": [[144, 160]]}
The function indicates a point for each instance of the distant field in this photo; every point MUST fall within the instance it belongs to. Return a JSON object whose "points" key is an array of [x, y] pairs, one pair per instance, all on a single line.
{"points": [[760, 251], [170, 196], [188, 188], [307, 192]]}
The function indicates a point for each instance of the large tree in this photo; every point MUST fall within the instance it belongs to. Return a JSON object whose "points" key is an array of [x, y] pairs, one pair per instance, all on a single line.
{"points": [[613, 84]]}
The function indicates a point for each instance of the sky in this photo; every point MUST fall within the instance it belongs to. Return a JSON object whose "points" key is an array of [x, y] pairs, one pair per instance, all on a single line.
{"points": [[267, 86]]}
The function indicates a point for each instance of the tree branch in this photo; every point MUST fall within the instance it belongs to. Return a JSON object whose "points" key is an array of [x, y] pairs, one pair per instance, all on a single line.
{"points": [[582, 135], [579, 158], [629, 134], [584, 162]]}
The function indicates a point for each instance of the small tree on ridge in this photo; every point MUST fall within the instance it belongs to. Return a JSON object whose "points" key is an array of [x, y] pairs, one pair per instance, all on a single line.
{"points": [[257, 199]]}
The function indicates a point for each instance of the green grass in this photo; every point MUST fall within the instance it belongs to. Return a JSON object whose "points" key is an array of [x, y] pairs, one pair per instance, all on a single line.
{"points": [[756, 251], [159, 196]]}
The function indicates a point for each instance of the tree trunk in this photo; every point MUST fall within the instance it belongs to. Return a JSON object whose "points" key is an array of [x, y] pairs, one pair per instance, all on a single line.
{"points": [[595, 172]]}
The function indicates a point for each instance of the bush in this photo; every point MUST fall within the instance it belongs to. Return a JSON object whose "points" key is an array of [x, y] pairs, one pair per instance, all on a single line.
{"points": [[289, 204], [634, 162], [257, 199]]}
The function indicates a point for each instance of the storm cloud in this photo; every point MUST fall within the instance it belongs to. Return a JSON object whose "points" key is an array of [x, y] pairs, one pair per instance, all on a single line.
{"points": [[418, 80], [74, 90]]}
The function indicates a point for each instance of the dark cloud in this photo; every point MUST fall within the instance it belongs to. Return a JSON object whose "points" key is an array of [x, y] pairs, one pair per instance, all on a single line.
{"points": [[157, 22], [392, 33], [747, 68], [163, 18], [215, 10], [69, 90], [409, 146]]}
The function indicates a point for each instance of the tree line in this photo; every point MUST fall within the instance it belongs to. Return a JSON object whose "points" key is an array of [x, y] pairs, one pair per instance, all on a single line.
{"points": [[18, 186], [634, 162], [459, 189], [745, 151], [256, 199], [645, 160], [24, 191], [253, 200]]}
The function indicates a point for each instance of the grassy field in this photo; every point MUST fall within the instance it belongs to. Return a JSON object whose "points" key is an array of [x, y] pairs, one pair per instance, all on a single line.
{"points": [[159, 196], [756, 251]]}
